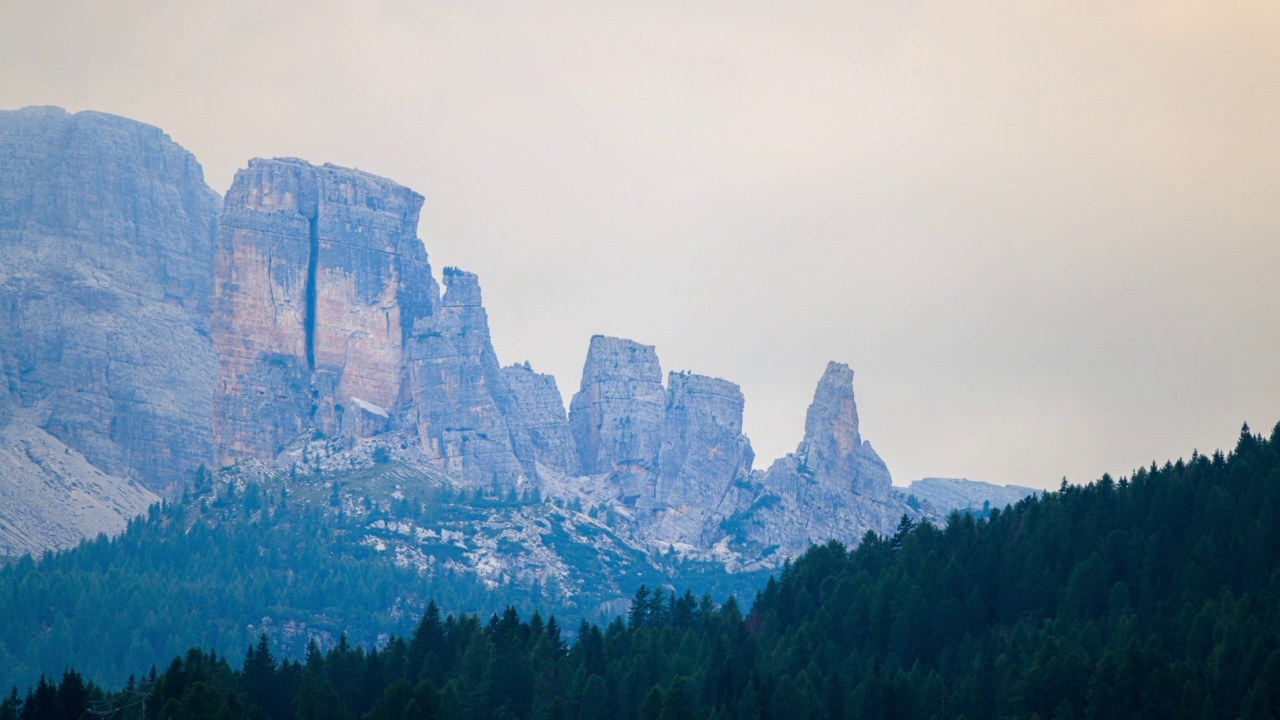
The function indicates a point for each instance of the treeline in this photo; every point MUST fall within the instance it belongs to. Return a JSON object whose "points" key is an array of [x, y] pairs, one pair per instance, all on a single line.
{"points": [[1155, 595]]}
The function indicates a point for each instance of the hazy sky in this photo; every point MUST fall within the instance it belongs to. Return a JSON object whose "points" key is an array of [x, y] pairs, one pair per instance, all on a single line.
{"points": [[1045, 235]]}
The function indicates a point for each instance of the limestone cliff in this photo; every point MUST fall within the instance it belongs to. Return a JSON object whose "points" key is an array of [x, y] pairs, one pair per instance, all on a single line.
{"points": [[538, 414], [106, 251], [459, 403], [143, 332], [318, 280], [834, 486], [703, 454], [616, 415]]}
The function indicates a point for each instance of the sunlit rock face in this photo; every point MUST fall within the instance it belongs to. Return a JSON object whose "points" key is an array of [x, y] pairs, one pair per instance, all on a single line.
{"points": [[318, 279], [324, 305], [106, 252]]}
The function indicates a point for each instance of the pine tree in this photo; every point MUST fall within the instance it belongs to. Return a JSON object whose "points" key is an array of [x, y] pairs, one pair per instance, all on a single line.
{"points": [[677, 703]]}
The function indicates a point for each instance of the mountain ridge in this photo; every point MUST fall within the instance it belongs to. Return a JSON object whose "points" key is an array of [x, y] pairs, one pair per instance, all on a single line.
{"points": [[310, 293]]}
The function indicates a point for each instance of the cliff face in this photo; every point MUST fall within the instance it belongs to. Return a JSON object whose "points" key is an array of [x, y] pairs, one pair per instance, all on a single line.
{"points": [[616, 415], [834, 486], [326, 316], [145, 333], [538, 414], [106, 238], [318, 279], [459, 402], [679, 473], [703, 454]]}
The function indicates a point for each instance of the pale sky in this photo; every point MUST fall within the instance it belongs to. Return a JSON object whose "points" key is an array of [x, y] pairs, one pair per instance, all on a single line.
{"points": [[1045, 235]]}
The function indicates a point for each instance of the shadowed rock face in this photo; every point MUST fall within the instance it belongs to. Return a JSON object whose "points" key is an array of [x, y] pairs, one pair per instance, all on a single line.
{"points": [[106, 250], [834, 486], [459, 403], [318, 279], [538, 414], [703, 454]]}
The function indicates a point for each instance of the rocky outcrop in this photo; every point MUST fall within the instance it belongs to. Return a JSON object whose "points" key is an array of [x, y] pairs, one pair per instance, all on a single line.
{"points": [[942, 495], [703, 454], [362, 419], [616, 416], [106, 250], [459, 403], [833, 451], [326, 317], [149, 334], [833, 487], [319, 278], [538, 414]]}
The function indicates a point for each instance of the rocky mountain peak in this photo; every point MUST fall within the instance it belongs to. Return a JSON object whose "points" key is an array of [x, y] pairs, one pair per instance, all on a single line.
{"points": [[458, 401], [538, 413], [150, 331], [318, 278], [703, 453], [616, 415], [831, 439], [462, 288], [106, 240]]}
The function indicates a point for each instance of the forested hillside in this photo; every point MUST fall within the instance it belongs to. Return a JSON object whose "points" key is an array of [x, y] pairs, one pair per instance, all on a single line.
{"points": [[236, 559], [1156, 595]]}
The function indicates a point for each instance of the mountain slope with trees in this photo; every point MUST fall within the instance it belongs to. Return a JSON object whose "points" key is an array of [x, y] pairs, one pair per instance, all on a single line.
{"points": [[1155, 595]]}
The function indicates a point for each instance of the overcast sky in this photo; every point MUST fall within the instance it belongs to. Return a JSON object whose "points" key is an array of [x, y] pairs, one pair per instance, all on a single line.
{"points": [[1045, 235]]}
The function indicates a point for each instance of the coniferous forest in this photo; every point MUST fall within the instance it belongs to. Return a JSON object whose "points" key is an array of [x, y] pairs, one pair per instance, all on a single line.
{"points": [[1155, 595]]}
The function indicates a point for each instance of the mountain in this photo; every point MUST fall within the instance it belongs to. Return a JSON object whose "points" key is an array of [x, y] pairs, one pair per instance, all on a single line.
{"points": [[1151, 596], [942, 495], [154, 330], [281, 365], [107, 231]]}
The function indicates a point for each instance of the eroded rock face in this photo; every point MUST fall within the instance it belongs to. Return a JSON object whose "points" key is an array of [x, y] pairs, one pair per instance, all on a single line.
{"points": [[318, 279], [106, 250], [325, 307], [459, 403], [616, 416], [141, 334], [538, 414], [834, 486], [703, 454], [832, 449]]}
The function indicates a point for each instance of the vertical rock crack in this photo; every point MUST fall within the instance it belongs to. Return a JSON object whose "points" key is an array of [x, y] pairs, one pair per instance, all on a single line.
{"points": [[309, 316]]}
